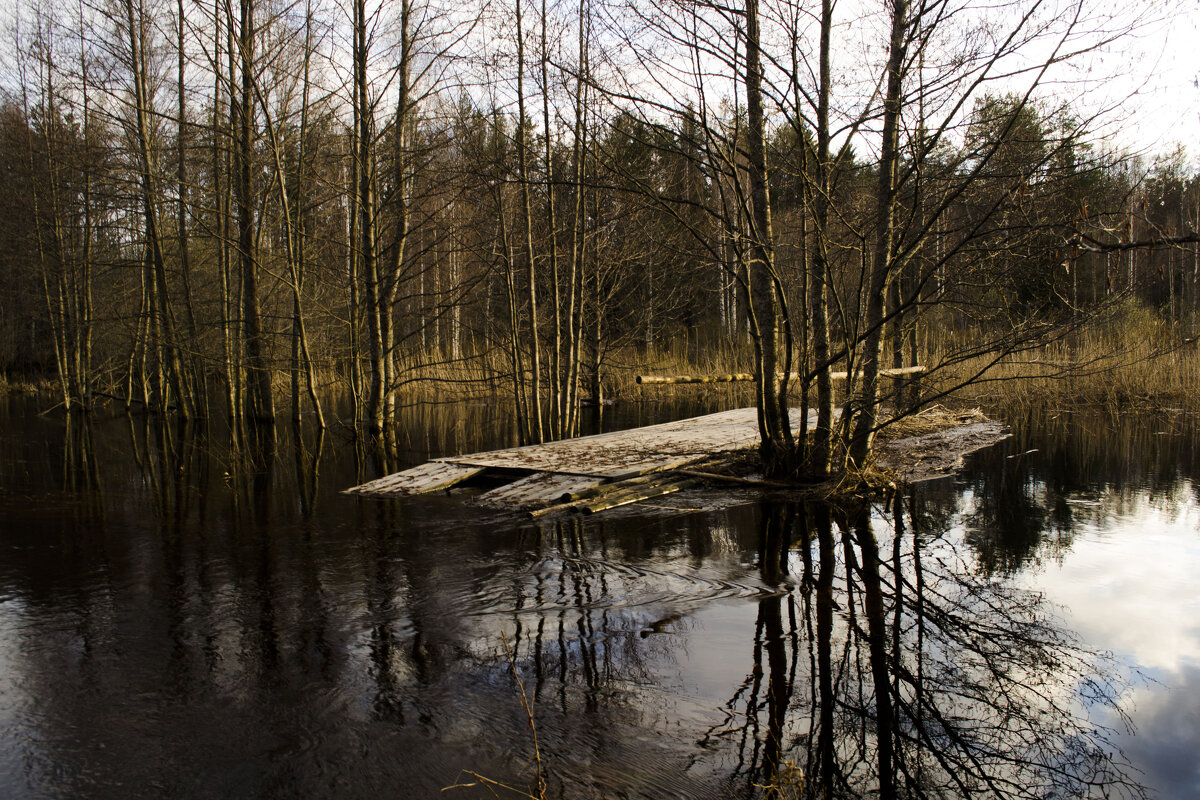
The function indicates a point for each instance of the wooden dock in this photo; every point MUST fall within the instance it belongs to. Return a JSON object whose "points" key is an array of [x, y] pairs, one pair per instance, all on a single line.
{"points": [[586, 474]]}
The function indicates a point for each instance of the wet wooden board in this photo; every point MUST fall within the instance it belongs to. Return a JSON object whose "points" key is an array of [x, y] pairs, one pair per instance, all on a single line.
{"points": [[622, 454], [538, 489], [422, 479]]}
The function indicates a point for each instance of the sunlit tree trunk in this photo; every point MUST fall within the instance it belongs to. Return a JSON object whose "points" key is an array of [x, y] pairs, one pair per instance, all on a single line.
{"points": [[391, 273], [578, 232], [558, 410]]}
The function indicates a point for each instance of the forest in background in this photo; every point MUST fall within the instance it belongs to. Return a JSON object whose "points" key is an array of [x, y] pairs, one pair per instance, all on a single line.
{"points": [[252, 207]]}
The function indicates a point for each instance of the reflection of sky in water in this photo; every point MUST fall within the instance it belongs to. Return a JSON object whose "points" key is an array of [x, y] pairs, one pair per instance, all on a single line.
{"points": [[1127, 583]]}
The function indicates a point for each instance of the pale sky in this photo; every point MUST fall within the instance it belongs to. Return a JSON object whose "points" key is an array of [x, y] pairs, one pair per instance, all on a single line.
{"points": [[1166, 109]]}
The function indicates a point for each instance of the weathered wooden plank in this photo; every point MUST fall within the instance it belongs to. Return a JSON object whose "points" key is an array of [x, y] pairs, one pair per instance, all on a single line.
{"points": [[612, 495], [622, 454], [540, 488], [429, 477]]}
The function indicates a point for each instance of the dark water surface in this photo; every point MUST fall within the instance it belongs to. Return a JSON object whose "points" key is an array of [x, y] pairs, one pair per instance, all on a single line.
{"points": [[184, 619]]}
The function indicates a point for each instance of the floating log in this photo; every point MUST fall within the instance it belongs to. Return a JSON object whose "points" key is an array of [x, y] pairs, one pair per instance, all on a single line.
{"points": [[737, 377], [573, 500], [421, 479], [734, 377], [635, 495], [608, 488]]}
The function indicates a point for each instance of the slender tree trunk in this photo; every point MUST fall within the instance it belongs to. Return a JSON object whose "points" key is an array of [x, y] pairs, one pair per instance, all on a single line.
{"points": [[222, 148], [85, 306], [536, 431], [258, 402], [774, 427], [402, 179], [558, 410], [822, 452], [194, 376], [578, 232], [368, 248], [167, 354], [520, 400], [881, 270], [301, 330]]}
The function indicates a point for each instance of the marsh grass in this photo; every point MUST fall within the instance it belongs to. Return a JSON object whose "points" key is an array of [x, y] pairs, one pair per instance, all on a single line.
{"points": [[25, 385], [1133, 360], [1130, 357], [430, 376]]}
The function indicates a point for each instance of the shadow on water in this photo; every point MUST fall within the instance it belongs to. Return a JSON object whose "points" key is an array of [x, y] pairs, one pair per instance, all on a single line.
{"points": [[184, 613]]}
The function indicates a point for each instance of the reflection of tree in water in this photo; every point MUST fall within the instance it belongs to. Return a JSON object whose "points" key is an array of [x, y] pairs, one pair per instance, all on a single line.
{"points": [[915, 677]]}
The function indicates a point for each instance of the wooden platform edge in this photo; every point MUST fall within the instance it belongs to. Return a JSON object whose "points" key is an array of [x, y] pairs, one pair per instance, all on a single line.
{"points": [[429, 477]]}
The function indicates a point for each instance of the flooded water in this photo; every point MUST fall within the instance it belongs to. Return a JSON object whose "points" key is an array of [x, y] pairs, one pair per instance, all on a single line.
{"points": [[181, 618]]}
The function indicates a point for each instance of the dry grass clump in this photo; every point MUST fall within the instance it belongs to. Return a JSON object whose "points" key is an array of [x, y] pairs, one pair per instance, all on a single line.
{"points": [[786, 784], [929, 420]]}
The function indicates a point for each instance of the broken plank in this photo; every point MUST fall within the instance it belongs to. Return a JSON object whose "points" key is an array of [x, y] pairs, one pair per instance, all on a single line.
{"points": [[429, 477], [605, 488], [540, 488]]}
